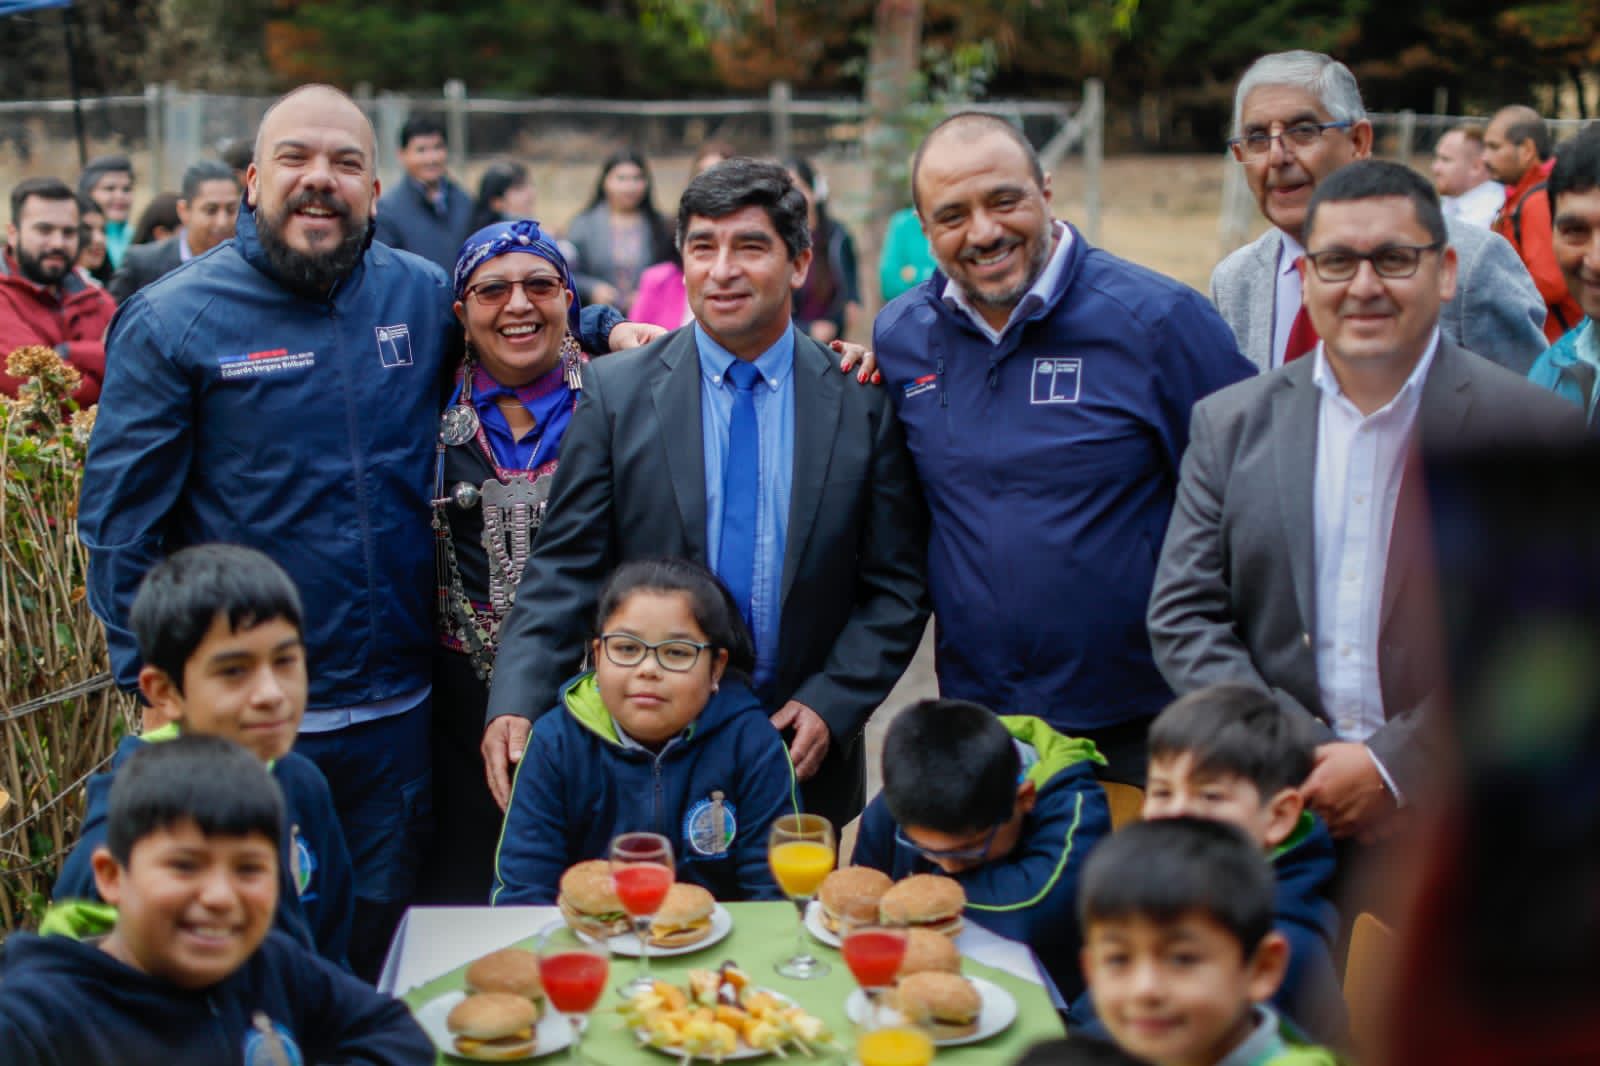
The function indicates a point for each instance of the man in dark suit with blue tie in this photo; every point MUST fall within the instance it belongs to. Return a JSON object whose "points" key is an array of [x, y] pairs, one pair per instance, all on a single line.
{"points": [[736, 442]]}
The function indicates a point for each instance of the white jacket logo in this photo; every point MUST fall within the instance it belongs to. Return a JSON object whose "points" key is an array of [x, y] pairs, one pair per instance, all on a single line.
{"points": [[394, 345]]}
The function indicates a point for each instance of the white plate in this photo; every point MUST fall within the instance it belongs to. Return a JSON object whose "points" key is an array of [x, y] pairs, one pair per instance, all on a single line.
{"points": [[999, 1011], [743, 1052], [815, 927], [551, 1034], [628, 943]]}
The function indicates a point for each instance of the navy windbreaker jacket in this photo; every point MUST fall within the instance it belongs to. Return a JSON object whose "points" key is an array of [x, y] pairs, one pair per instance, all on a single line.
{"points": [[316, 889], [65, 1002], [1050, 465], [235, 410]]}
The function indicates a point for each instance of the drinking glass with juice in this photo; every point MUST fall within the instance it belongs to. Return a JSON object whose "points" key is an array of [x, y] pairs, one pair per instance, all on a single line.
{"points": [[894, 1047], [801, 850], [573, 973], [642, 874]]}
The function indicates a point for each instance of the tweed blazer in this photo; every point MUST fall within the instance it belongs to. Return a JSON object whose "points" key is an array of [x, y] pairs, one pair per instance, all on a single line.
{"points": [[1497, 311]]}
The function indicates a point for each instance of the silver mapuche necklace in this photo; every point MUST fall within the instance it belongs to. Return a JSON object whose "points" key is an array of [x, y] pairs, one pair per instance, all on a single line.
{"points": [[512, 510]]}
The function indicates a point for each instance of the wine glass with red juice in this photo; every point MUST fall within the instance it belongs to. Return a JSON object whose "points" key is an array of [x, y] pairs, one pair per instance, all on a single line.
{"points": [[642, 873], [573, 972]]}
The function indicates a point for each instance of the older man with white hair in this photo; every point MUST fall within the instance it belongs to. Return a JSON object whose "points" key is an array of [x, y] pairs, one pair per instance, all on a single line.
{"points": [[1297, 118]]}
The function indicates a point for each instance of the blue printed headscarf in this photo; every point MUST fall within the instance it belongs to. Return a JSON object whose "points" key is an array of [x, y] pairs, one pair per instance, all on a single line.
{"points": [[522, 235]]}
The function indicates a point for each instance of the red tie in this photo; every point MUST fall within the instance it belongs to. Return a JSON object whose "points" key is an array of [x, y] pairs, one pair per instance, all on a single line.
{"points": [[1302, 334]]}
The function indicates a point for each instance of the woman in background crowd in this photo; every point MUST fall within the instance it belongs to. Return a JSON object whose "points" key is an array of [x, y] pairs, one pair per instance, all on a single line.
{"points": [[505, 193], [159, 220], [108, 181], [661, 299], [620, 233], [92, 260], [823, 306]]}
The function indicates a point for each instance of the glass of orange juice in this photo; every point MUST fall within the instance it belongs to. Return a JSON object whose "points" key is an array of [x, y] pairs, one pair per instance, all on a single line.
{"points": [[894, 1045], [800, 850]]}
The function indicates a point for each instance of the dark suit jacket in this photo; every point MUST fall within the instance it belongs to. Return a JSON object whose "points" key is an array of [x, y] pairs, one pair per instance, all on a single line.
{"points": [[632, 484], [143, 264], [1234, 596]]}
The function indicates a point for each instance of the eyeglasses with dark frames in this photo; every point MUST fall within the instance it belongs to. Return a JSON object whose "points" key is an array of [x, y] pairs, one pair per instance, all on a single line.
{"points": [[496, 292], [1256, 144], [1390, 261], [973, 854], [678, 656]]}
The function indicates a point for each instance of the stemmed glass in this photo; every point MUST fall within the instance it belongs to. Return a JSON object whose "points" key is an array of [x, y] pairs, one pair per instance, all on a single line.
{"points": [[801, 852], [573, 972], [874, 954], [642, 873]]}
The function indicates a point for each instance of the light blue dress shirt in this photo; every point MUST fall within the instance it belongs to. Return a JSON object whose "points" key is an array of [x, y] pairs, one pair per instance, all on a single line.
{"points": [[775, 423]]}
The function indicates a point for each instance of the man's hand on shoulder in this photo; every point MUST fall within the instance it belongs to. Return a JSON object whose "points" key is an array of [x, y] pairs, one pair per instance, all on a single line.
{"points": [[503, 744], [625, 335], [811, 737]]}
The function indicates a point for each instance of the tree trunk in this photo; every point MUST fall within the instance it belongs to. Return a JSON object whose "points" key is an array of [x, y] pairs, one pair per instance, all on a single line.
{"points": [[891, 82]]}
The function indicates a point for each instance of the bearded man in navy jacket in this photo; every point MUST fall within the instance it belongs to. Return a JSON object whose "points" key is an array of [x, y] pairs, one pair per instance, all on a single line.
{"points": [[1045, 388]]}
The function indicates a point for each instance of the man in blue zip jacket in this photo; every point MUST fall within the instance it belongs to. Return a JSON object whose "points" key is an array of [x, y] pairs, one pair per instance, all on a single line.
{"points": [[283, 391], [1045, 387]]}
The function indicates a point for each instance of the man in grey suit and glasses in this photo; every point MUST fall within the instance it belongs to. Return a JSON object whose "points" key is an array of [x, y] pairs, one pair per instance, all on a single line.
{"points": [[1298, 117], [1295, 558], [735, 442]]}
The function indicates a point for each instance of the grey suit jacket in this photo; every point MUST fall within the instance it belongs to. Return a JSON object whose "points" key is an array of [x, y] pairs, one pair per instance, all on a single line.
{"points": [[143, 264], [1235, 589], [631, 484], [1497, 312]]}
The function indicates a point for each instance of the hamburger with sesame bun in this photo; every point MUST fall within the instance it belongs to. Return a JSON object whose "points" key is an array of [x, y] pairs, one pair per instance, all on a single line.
{"points": [[851, 894], [512, 971], [946, 1003], [927, 951], [589, 903], [684, 917], [925, 901], [493, 1027]]}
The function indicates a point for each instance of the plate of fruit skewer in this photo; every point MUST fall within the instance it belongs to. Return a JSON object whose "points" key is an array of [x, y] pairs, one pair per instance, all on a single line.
{"points": [[721, 1017]]}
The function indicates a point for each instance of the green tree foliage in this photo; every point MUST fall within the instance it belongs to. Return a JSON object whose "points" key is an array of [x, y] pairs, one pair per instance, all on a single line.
{"points": [[503, 46]]}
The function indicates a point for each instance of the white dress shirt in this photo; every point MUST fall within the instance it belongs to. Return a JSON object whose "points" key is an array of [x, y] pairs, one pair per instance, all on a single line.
{"points": [[1286, 299], [1478, 205], [1360, 461]]}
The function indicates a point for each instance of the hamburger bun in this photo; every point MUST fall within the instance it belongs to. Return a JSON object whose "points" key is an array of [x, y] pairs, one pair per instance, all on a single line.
{"points": [[946, 1003], [851, 893], [928, 951], [510, 970], [684, 917], [493, 1027], [589, 903], [925, 900]]}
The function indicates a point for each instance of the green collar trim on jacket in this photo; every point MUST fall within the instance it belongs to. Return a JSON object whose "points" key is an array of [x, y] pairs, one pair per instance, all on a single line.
{"points": [[1056, 751], [1302, 829], [78, 919], [583, 702], [172, 731]]}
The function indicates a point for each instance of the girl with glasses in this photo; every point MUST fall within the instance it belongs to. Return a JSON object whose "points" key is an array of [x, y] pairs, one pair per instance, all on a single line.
{"points": [[662, 736]]}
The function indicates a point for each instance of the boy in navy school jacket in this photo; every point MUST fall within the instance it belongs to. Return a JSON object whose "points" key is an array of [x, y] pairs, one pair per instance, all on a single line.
{"points": [[192, 971], [1004, 804], [1227, 753], [219, 630]]}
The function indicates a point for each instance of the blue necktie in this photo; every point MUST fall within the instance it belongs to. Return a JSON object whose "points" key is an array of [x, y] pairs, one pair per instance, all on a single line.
{"points": [[736, 562]]}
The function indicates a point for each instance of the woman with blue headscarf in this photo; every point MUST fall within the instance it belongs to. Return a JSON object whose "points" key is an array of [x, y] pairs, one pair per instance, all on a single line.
{"points": [[499, 442]]}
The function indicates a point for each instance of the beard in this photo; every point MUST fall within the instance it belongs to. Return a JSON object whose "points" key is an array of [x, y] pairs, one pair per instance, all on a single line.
{"points": [[315, 272], [1038, 259], [42, 273]]}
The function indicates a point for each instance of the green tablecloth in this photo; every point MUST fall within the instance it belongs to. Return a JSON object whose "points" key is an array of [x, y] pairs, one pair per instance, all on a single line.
{"points": [[763, 934]]}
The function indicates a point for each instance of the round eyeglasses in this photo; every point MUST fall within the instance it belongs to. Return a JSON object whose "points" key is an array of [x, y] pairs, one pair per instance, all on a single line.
{"points": [[678, 656]]}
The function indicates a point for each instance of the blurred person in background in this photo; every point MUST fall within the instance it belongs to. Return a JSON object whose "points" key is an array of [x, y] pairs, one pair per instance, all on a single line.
{"points": [[43, 299], [1466, 191], [427, 214], [831, 295], [620, 233], [661, 298], [506, 193], [208, 209], [92, 261], [1571, 367], [158, 221], [239, 155], [108, 181], [1517, 149], [906, 261]]}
